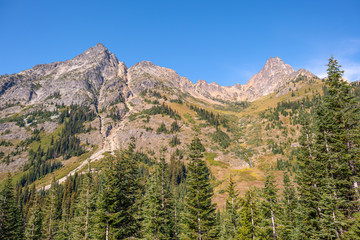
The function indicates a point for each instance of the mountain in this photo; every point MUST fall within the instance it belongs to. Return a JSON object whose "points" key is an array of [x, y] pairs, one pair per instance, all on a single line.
{"points": [[81, 108], [87, 77]]}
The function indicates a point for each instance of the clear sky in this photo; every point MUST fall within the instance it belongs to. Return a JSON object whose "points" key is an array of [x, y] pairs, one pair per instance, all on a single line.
{"points": [[222, 41]]}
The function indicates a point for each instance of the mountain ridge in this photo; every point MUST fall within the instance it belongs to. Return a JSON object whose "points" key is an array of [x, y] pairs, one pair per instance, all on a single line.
{"points": [[97, 65]]}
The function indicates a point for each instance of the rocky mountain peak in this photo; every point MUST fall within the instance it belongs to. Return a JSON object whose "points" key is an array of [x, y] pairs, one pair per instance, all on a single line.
{"points": [[274, 74], [99, 51], [275, 66]]}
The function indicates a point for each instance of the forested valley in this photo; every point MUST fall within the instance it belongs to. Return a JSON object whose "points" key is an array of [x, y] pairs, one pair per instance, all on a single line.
{"points": [[170, 196]]}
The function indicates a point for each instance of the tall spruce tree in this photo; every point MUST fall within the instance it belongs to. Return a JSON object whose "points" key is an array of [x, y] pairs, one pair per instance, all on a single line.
{"points": [[11, 219], [328, 179], [249, 215], [269, 208], [34, 228], [52, 211], [120, 194], [288, 207], [230, 218], [199, 213], [83, 224], [158, 209], [308, 179]]}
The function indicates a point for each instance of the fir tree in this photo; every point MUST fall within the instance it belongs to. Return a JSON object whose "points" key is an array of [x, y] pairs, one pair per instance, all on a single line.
{"points": [[34, 229], [288, 208], [269, 208], [52, 214], [158, 204], [199, 218], [329, 164], [249, 215], [83, 225], [120, 193], [11, 220], [231, 218]]}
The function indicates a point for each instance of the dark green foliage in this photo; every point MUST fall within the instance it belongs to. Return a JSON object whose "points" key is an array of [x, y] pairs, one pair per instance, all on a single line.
{"points": [[199, 221], [84, 221], [232, 106], [249, 215], [174, 141], [269, 209], [38, 168], [162, 109], [55, 95], [179, 101], [174, 127], [158, 207], [11, 219], [289, 204], [115, 114], [231, 218], [118, 203], [152, 93], [6, 143], [210, 117], [34, 229], [177, 170], [329, 161], [221, 138], [162, 129]]}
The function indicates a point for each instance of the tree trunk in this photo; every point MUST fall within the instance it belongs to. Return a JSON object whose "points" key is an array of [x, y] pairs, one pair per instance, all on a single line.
{"points": [[252, 216]]}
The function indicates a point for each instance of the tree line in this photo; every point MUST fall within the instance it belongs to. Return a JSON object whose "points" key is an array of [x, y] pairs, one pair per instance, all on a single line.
{"points": [[134, 197]]}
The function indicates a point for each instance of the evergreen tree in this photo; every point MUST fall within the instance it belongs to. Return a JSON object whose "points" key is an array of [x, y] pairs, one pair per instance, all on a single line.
{"points": [[11, 220], [231, 220], [269, 209], [249, 215], [288, 208], [329, 162], [199, 213], [158, 205], [34, 228], [83, 225], [120, 193], [52, 214]]}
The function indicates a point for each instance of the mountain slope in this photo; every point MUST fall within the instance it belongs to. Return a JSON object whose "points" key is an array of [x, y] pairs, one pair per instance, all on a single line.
{"points": [[147, 101]]}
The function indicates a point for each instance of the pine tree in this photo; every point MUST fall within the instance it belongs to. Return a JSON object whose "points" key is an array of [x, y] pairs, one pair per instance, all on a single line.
{"points": [[329, 164], [249, 215], [308, 179], [11, 220], [269, 208], [83, 224], [158, 205], [34, 228], [231, 219], [288, 208], [52, 214], [120, 192], [199, 213]]}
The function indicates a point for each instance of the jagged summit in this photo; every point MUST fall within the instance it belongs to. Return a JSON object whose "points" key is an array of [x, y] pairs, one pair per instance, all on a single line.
{"points": [[97, 69]]}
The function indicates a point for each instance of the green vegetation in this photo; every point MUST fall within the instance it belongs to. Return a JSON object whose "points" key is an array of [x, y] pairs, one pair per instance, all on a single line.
{"points": [[133, 195], [174, 141], [221, 138], [213, 119], [162, 109]]}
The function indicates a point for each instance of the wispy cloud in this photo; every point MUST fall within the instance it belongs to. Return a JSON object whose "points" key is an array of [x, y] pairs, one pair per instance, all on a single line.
{"points": [[347, 53]]}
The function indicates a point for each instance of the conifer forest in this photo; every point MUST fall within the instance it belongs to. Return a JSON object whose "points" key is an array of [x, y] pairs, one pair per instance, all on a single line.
{"points": [[167, 195]]}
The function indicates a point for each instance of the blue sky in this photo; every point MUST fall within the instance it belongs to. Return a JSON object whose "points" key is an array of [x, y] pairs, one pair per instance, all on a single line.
{"points": [[222, 41]]}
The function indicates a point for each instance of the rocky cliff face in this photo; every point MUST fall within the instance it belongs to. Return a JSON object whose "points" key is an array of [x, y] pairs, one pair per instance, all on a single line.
{"points": [[81, 80], [97, 77], [271, 76]]}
